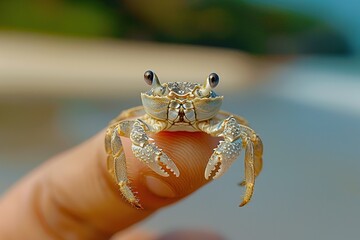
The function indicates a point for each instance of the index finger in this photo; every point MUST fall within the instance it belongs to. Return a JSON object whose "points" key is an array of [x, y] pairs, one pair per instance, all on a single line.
{"points": [[73, 196]]}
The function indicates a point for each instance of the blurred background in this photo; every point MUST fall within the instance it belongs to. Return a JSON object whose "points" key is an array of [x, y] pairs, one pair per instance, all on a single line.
{"points": [[292, 68]]}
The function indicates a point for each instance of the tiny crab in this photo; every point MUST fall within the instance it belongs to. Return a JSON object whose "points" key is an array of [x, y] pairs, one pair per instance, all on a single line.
{"points": [[181, 106]]}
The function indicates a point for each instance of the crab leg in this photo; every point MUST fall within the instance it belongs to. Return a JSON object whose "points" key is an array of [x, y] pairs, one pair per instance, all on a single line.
{"points": [[249, 172], [236, 137], [117, 161], [258, 146], [258, 161], [143, 150]]}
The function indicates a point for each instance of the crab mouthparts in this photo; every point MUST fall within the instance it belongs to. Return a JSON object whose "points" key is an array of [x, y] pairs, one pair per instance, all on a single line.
{"points": [[185, 95]]}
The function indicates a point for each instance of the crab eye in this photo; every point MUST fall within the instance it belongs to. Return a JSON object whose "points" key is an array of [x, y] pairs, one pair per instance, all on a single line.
{"points": [[213, 80], [148, 77]]}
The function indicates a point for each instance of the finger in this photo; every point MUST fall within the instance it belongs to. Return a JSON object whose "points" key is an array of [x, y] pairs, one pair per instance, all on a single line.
{"points": [[190, 152], [73, 196]]}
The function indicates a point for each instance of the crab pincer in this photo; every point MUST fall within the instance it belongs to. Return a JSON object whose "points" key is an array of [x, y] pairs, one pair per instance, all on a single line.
{"points": [[155, 159], [224, 155]]}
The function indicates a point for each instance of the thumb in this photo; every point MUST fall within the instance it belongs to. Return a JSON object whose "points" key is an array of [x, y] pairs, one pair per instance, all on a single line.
{"points": [[73, 196]]}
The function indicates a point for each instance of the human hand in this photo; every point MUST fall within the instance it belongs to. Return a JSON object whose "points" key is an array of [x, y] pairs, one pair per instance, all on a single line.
{"points": [[72, 196]]}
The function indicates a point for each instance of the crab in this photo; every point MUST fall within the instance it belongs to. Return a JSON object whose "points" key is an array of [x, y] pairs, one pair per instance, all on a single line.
{"points": [[181, 106]]}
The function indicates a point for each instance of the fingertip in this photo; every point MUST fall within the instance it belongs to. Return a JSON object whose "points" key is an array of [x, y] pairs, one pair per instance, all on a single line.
{"points": [[190, 151]]}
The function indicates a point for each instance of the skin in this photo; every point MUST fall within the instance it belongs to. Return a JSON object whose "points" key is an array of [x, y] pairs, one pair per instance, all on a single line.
{"points": [[72, 196]]}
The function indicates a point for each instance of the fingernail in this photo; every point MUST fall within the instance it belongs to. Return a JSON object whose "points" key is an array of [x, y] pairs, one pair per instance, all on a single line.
{"points": [[159, 187]]}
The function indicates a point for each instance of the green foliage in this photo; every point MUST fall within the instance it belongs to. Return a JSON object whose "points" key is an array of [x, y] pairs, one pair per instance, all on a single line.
{"points": [[225, 23], [80, 18]]}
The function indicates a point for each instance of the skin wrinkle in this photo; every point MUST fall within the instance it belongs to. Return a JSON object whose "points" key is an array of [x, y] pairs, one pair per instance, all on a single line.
{"points": [[73, 220], [190, 171], [35, 203], [56, 214]]}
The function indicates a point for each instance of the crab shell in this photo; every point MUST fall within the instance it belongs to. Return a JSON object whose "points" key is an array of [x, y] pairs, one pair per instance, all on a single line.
{"points": [[181, 106]]}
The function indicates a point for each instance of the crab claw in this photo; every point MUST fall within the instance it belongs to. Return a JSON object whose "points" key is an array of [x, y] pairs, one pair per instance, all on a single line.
{"points": [[155, 159], [164, 161], [224, 155], [170, 165], [214, 160]]}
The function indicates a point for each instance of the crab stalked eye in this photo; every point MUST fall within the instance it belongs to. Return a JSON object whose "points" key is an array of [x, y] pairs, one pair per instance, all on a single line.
{"points": [[213, 80], [149, 77]]}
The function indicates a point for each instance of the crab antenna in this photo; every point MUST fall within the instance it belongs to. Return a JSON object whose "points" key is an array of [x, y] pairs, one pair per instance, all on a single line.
{"points": [[156, 85]]}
